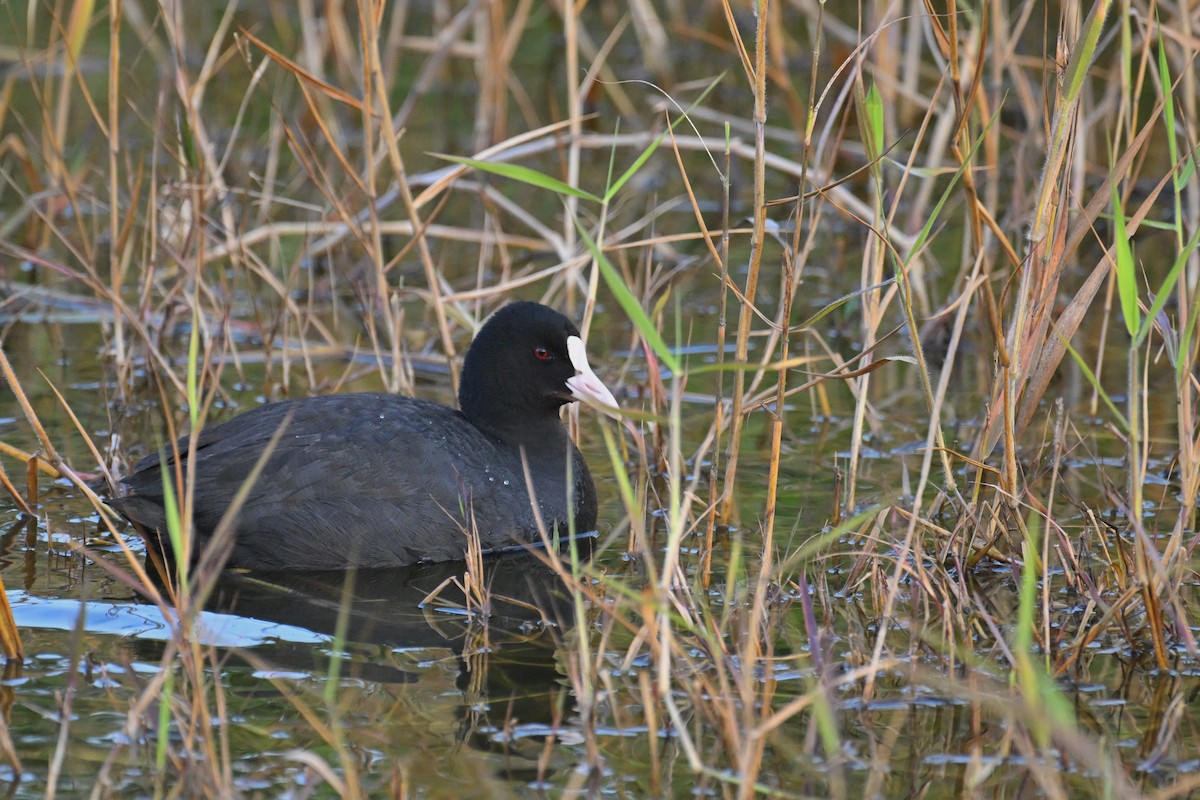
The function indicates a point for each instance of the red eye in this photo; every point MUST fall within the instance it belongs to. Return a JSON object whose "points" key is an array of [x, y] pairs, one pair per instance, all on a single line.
{"points": [[541, 352]]}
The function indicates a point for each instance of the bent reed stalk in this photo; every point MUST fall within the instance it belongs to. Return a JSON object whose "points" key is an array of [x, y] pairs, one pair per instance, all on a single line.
{"points": [[299, 239]]}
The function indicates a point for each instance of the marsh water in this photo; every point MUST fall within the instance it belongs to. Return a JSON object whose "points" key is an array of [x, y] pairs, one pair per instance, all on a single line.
{"points": [[428, 702]]}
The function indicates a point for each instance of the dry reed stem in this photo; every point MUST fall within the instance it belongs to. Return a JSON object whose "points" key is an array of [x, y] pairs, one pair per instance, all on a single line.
{"points": [[722, 714]]}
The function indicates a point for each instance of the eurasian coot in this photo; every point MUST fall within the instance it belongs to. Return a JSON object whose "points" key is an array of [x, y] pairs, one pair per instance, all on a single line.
{"points": [[377, 480]]}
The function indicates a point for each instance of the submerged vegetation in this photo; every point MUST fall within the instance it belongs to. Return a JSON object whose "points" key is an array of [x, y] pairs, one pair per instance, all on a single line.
{"points": [[902, 299]]}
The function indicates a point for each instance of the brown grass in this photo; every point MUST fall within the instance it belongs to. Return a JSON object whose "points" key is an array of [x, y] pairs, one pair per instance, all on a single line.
{"points": [[903, 225]]}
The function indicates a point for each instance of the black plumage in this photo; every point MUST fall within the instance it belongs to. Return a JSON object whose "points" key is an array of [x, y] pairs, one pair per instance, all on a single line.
{"points": [[379, 480]]}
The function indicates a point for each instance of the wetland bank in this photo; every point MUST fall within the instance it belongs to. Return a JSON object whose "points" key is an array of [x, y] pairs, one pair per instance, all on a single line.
{"points": [[899, 301]]}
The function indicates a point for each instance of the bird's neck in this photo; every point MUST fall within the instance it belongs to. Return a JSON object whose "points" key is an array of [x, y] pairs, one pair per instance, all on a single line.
{"points": [[540, 435]]}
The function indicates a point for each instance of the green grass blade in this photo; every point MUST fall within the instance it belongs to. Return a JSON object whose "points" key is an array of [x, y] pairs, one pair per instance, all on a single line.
{"points": [[927, 228], [1091, 379], [873, 135], [193, 375], [1164, 77], [164, 719], [649, 151], [522, 174], [1165, 291], [1084, 51], [1126, 271], [1185, 341], [338, 648], [174, 523], [633, 308], [1027, 593], [1037, 688], [834, 305], [817, 542]]}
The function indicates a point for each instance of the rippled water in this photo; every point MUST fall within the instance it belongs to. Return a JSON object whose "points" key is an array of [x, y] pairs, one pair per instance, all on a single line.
{"points": [[426, 702], [427, 699]]}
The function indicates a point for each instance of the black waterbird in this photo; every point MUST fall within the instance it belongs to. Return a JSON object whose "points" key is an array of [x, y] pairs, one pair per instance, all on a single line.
{"points": [[380, 480]]}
